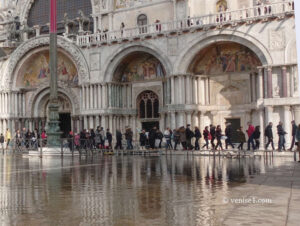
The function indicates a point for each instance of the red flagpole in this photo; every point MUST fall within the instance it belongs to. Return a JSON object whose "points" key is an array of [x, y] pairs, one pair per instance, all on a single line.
{"points": [[52, 16]]}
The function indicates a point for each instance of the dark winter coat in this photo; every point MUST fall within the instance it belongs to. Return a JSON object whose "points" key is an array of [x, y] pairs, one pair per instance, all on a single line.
{"points": [[109, 137], [143, 139], [228, 131], [269, 132], [241, 137], [205, 134], [197, 133], [294, 130], [280, 130], [213, 131]]}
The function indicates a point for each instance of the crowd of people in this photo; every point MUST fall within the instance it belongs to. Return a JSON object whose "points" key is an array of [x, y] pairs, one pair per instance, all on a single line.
{"points": [[185, 137]]}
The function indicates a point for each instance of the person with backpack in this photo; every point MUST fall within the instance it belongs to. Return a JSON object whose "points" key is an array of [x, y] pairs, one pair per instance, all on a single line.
{"points": [[167, 136], [281, 133], [206, 135], [241, 138], [143, 139], [109, 138], [250, 132], [269, 135], [212, 131], [7, 138], [2, 141], [256, 136], [228, 134], [119, 140], [198, 137], [189, 135], [176, 138]]}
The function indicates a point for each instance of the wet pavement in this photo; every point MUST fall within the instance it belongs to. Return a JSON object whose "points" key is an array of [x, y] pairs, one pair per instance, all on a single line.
{"points": [[136, 190]]}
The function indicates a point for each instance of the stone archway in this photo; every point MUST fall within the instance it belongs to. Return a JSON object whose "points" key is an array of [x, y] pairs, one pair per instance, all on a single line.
{"points": [[118, 57], [199, 43], [23, 52]]}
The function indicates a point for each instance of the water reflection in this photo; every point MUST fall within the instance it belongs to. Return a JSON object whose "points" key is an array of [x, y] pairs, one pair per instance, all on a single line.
{"points": [[111, 190]]}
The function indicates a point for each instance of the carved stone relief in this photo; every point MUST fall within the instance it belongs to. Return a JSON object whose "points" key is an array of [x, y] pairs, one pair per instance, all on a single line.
{"points": [[276, 39]]}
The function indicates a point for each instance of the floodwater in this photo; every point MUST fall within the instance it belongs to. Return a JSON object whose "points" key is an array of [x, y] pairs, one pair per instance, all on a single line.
{"points": [[122, 190]]}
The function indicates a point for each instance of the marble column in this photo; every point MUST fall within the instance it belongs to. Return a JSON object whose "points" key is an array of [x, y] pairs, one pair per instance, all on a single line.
{"points": [[85, 122], [195, 119], [91, 97], [195, 90], [102, 121], [201, 119], [110, 122], [269, 83], [253, 86], [287, 118], [189, 118], [188, 89], [262, 127], [207, 91], [162, 122], [296, 110], [172, 90], [284, 82], [268, 114], [260, 86], [173, 120], [180, 117]]}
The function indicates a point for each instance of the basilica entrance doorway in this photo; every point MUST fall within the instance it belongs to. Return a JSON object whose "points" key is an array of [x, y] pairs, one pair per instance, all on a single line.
{"points": [[65, 124], [236, 124], [147, 126]]}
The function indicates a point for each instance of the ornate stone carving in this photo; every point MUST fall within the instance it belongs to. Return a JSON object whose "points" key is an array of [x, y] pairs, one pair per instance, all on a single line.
{"points": [[276, 39], [24, 48]]}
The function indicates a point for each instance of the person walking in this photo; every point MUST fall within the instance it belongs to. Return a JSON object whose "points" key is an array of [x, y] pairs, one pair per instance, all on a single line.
{"points": [[109, 138], [205, 136], [97, 138], [256, 137], [189, 137], [294, 130], [119, 140], [176, 138], [219, 136], [102, 137], [281, 133], [18, 139], [152, 137], [182, 134], [228, 133], [143, 139], [269, 135], [250, 132], [212, 131], [7, 137], [198, 137], [128, 137], [241, 138], [159, 136], [167, 136], [297, 137], [2, 141]]}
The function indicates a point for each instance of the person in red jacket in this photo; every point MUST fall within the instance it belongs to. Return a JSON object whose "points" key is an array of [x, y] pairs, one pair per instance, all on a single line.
{"points": [[250, 132]]}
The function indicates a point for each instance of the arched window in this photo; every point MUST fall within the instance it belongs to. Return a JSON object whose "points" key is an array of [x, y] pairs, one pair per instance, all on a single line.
{"points": [[39, 13], [148, 105], [142, 22]]}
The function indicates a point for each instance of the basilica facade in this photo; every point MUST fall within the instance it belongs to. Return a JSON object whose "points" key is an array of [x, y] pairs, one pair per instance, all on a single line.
{"points": [[145, 63]]}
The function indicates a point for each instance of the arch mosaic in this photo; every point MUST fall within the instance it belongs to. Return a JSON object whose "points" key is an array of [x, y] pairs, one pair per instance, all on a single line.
{"points": [[139, 66], [42, 41], [116, 59], [189, 52]]}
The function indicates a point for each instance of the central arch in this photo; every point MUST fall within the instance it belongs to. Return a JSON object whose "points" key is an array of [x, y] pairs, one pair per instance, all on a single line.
{"points": [[117, 58]]}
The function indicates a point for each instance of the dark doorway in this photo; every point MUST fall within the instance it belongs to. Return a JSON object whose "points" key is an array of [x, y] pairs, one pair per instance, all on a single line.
{"points": [[149, 125], [236, 124], [65, 124]]}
